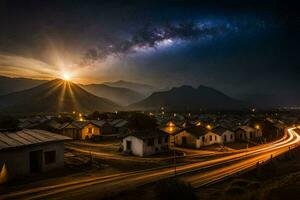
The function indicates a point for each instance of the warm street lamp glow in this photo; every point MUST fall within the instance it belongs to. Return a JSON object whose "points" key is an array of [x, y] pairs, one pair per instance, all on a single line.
{"points": [[257, 126]]}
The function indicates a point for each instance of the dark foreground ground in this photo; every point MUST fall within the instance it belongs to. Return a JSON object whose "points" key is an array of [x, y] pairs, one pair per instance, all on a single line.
{"points": [[276, 180]]}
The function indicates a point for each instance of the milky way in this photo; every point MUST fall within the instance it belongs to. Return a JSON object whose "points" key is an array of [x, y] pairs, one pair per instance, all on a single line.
{"points": [[153, 36]]}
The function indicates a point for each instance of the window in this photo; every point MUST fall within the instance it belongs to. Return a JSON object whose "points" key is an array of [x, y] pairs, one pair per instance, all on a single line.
{"points": [[159, 140], [215, 137], [203, 138], [150, 142], [231, 136], [90, 130], [50, 157], [210, 138], [128, 145], [166, 139]]}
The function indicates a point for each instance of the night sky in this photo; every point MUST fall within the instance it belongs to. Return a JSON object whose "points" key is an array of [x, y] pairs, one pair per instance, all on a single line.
{"points": [[239, 47]]}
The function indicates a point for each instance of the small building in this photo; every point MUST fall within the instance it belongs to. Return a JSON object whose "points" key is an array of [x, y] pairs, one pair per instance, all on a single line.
{"points": [[227, 135], [81, 130], [28, 152], [145, 143], [120, 126], [245, 133], [196, 137], [104, 126]]}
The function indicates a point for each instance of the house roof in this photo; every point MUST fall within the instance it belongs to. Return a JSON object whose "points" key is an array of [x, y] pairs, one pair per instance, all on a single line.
{"points": [[246, 128], [99, 123], [28, 137], [116, 121], [197, 130], [80, 124], [220, 130], [187, 124], [121, 124], [147, 134]]}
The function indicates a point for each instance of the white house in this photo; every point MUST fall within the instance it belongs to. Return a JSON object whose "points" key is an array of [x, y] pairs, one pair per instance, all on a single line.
{"points": [[30, 151], [145, 143], [227, 135], [196, 137]]}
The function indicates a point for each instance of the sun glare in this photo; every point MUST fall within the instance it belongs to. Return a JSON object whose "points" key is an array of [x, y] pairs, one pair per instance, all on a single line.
{"points": [[67, 76]]}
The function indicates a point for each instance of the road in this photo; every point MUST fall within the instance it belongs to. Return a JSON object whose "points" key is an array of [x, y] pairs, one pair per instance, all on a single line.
{"points": [[198, 174]]}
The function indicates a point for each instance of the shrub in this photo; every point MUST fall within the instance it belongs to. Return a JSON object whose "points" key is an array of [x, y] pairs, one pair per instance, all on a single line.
{"points": [[235, 190], [174, 189]]}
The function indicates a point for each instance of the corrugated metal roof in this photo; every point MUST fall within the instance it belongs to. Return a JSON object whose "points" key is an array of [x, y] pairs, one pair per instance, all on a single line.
{"points": [[28, 137], [121, 124]]}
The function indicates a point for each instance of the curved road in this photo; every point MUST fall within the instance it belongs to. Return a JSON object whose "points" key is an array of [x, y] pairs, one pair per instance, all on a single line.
{"points": [[198, 174]]}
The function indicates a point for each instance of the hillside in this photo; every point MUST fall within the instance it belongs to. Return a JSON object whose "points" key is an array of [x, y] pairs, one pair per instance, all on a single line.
{"points": [[189, 98], [121, 96], [138, 87], [54, 96], [10, 85]]}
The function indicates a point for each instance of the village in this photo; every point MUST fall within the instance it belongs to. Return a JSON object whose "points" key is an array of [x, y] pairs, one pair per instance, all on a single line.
{"points": [[128, 141]]}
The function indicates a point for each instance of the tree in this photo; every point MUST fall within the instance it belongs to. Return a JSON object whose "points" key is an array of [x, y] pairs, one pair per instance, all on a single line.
{"points": [[97, 115], [8, 123], [139, 121], [174, 189]]}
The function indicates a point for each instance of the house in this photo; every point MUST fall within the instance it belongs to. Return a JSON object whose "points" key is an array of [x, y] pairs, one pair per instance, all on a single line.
{"points": [[82, 130], [196, 137], [227, 135], [104, 126], [145, 143], [28, 152], [120, 126], [245, 133]]}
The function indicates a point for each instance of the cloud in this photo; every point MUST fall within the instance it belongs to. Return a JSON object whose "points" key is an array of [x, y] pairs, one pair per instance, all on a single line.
{"points": [[15, 66]]}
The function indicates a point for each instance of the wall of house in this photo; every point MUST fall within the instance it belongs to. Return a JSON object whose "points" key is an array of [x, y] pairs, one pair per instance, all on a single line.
{"points": [[156, 148], [228, 136], [215, 138], [246, 135], [191, 141], [240, 135], [136, 145], [72, 133], [85, 131], [107, 129], [17, 161]]}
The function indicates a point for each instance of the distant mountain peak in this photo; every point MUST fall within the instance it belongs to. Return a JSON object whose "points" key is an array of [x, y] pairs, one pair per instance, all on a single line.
{"points": [[187, 97], [142, 88]]}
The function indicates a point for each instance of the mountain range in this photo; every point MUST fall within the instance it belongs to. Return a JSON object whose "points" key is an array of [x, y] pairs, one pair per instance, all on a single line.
{"points": [[10, 85], [28, 96], [138, 87], [54, 96], [122, 96], [189, 98]]}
